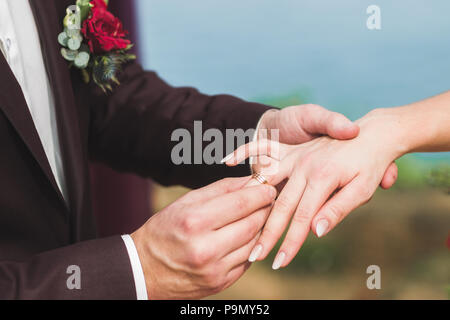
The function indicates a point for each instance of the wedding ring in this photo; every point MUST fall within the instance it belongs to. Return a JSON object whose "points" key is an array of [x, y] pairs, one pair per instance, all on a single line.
{"points": [[260, 178]]}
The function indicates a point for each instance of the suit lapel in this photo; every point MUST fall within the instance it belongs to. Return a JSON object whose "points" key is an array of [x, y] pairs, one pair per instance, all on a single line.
{"points": [[49, 22], [14, 106]]}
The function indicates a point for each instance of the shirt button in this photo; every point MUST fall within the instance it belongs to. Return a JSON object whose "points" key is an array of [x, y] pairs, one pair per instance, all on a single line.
{"points": [[8, 44]]}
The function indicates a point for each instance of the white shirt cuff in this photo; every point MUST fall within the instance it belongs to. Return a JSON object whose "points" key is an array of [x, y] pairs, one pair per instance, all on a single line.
{"points": [[136, 267]]}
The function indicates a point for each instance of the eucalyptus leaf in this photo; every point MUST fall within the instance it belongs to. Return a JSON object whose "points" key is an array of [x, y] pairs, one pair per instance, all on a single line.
{"points": [[73, 32], [62, 39], [68, 54], [74, 43], [82, 60]]}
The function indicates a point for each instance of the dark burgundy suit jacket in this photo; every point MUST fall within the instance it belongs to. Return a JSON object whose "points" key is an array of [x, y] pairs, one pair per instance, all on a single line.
{"points": [[129, 130]]}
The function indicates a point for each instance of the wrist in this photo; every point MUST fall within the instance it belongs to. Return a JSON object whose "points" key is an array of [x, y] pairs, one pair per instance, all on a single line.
{"points": [[413, 129], [391, 129]]}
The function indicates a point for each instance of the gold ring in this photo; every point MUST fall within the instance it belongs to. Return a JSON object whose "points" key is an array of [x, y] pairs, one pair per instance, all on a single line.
{"points": [[260, 178]]}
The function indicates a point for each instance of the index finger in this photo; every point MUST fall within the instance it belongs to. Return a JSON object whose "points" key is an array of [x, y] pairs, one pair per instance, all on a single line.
{"points": [[216, 189], [236, 205]]}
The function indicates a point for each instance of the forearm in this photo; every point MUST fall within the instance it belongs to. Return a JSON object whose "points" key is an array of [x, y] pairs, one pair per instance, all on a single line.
{"points": [[131, 129], [427, 124], [102, 267], [422, 126]]}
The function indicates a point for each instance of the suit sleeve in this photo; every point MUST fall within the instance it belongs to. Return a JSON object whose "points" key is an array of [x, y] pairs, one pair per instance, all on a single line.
{"points": [[131, 128], [91, 270]]}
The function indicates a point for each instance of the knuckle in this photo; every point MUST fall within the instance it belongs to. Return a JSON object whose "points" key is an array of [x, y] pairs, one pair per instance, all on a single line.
{"points": [[322, 173], [198, 256], [310, 108], [289, 244], [228, 182], [241, 203], [283, 205], [268, 193], [269, 236], [335, 117], [335, 212], [191, 222], [302, 218]]}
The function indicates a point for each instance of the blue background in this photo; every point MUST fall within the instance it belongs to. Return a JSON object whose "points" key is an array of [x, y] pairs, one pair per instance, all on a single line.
{"points": [[318, 50]]}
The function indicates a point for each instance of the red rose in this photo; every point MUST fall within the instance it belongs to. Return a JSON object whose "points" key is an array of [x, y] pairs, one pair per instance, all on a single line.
{"points": [[103, 31]]}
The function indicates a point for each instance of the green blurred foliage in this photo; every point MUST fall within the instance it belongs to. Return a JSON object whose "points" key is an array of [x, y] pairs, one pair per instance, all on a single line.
{"points": [[412, 173], [293, 99], [440, 177], [415, 173]]}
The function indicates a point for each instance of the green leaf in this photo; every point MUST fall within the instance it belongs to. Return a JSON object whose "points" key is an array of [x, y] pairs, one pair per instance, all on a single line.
{"points": [[85, 74], [69, 55], [74, 43], [115, 80], [82, 60], [63, 39], [85, 9], [73, 33], [106, 67]]}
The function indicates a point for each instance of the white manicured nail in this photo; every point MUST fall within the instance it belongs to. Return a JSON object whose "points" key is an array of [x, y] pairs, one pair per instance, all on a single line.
{"points": [[322, 227], [278, 261], [256, 252], [228, 157]]}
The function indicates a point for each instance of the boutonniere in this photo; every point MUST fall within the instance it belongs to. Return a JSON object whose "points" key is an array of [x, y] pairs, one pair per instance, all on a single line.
{"points": [[94, 41]]}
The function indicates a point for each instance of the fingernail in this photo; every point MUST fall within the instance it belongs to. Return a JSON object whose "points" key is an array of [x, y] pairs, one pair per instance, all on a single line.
{"points": [[228, 157], [322, 227], [256, 252], [278, 261]]}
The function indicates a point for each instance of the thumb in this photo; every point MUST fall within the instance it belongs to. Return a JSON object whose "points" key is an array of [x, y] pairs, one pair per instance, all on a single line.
{"points": [[340, 127], [318, 120]]}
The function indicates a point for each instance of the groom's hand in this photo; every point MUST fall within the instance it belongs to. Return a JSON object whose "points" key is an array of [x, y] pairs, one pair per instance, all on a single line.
{"points": [[299, 124], [199, 245]]}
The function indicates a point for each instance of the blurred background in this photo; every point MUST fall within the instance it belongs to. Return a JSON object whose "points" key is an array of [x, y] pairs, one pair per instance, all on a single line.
{"points": [[288, 52]]}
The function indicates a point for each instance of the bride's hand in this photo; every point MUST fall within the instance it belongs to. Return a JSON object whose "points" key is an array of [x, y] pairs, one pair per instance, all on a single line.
{"points": [[326, 180]]}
